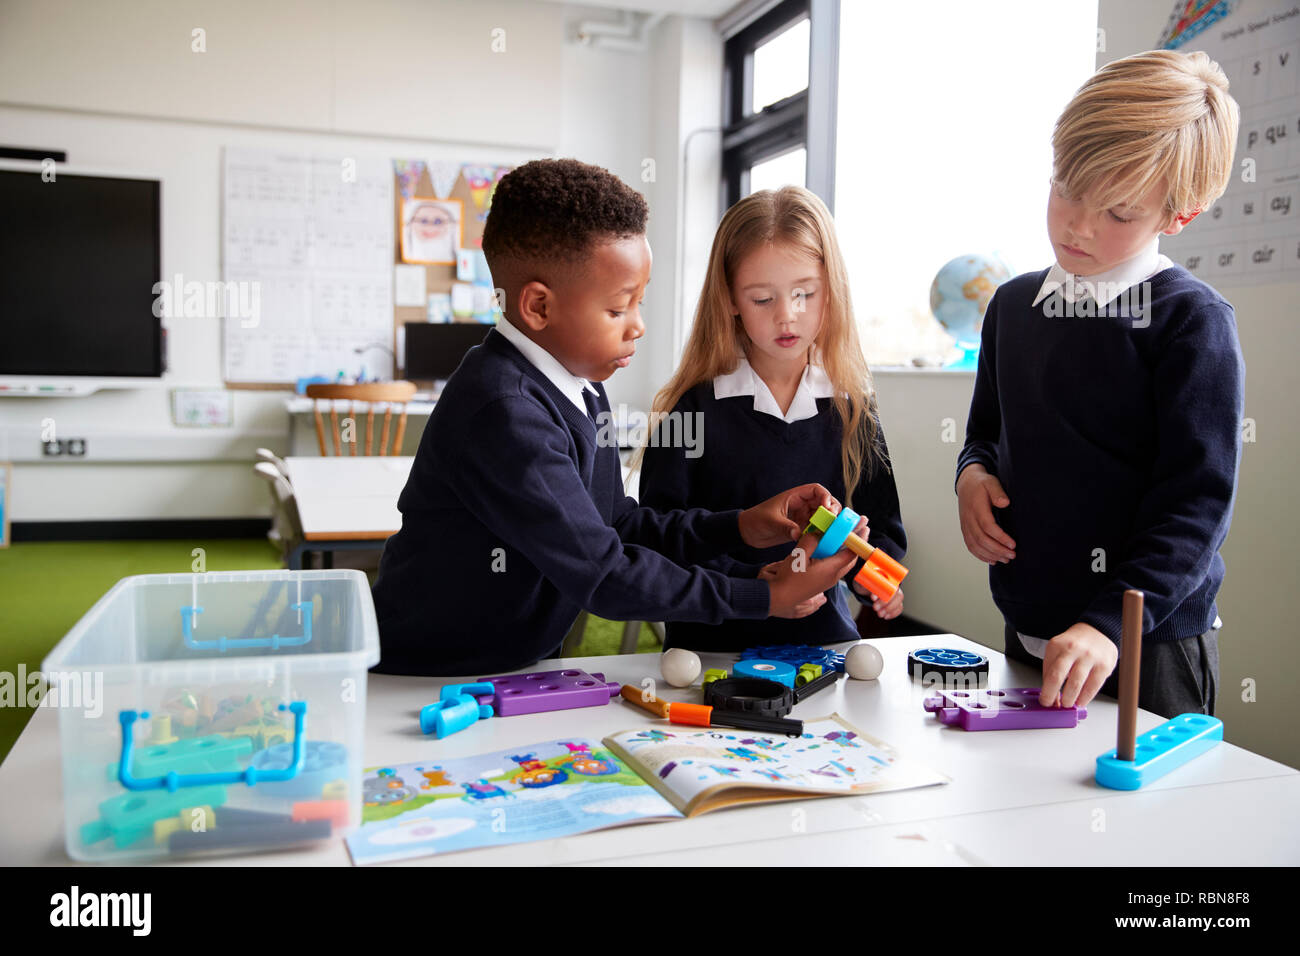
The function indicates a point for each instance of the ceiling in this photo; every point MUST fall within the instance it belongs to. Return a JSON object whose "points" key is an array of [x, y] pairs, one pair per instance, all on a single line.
{"points": [[706, 9]]}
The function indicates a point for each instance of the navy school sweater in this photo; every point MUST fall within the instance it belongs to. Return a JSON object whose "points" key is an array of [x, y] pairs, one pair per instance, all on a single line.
{"points": [[747, 455], [514, 519], [1117, 437]]}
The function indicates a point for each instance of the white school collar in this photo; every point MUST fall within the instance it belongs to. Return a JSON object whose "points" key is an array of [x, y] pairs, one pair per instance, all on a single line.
{"points": [[546, 363], [813, 384], [1105, 287]]}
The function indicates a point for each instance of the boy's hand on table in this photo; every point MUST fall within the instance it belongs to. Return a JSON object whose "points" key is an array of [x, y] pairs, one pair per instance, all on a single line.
{"points": [[1077, 663], [799, 580], [783, 517], [978, 493]]}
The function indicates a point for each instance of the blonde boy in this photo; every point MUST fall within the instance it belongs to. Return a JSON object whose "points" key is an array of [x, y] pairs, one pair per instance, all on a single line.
{"points": [[1104, 432]]}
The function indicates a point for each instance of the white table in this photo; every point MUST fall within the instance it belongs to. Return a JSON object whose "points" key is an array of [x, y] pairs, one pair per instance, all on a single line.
{"points": [[347, 502], [1016, 797]]}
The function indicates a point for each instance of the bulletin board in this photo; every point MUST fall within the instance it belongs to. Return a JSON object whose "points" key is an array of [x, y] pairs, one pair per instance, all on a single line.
{"points": [[429, 287], [1251, 235], [306, 240], [324, 241]]}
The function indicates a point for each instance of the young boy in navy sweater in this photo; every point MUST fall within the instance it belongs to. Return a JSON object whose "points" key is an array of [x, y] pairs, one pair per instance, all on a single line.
{"points": [[1104, 433], [514, 517]]}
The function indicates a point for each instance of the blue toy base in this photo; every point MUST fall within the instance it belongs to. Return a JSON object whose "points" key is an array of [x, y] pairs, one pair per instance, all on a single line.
{"points": [[1159, 751]]}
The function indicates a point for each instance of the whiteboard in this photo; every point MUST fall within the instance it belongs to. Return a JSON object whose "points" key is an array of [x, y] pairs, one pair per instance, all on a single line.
{"points": [[311, 234], [1252, 234]]}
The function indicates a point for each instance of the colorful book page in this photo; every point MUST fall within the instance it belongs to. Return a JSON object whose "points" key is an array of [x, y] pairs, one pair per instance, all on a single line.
{"points": [[553, 789]]}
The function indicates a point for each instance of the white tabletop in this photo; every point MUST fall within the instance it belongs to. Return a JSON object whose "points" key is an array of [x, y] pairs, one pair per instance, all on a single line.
{"points": [[346, 497], [1016, 797]]}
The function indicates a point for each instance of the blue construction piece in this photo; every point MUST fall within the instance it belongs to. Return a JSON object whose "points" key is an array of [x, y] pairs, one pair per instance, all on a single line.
{"points": [[456, 709], [1159, 751], [320, 762], [945, 662], [796, 654], [833, 538], [779, 671], [173, 781], [197, 755], [129, 817], [275, 641]]}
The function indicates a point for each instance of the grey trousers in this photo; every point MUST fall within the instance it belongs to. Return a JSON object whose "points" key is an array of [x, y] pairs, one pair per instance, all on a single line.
{"points": [[1178, 677]]}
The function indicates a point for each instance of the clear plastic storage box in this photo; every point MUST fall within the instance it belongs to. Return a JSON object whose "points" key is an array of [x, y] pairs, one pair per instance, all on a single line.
{"points": [[214, 713]]}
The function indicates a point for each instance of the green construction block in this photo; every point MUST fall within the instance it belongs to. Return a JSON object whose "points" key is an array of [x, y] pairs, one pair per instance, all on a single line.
{"points": [[211, 754], [807, 673], [821, 520], [712, 674], [129, 817]]}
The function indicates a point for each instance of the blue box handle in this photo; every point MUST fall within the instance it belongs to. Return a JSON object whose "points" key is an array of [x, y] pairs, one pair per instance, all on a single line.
{"points": [[174, 781], [275, 641]]}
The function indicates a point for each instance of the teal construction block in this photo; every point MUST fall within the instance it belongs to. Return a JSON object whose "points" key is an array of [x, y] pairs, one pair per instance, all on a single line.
{"points": [[212, 754], [1159, 751], [128, 817]]}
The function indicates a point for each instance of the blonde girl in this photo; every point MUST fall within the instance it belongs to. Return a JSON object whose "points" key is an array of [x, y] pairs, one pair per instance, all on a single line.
{"points": [[775, 373]]}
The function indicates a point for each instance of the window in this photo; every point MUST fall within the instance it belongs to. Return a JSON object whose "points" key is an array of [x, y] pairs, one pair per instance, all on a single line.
{"points": [[780, 67], [767, 114], [786, 169], [944, 149]]}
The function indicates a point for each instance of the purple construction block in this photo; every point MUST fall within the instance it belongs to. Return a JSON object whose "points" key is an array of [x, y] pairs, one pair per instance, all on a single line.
{"points": [[547, 690], [1015, 708]]}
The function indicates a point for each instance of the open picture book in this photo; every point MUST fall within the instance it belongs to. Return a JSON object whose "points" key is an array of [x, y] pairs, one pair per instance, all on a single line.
{"points": [[565, 787]]}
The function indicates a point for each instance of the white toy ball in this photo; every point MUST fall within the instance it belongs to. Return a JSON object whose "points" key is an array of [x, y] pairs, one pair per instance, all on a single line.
{"points": [[863, 662], [680, 667]]}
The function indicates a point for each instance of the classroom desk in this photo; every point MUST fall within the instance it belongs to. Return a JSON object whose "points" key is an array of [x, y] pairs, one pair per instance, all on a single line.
{"points": [[1016, 797], [345, 502]]}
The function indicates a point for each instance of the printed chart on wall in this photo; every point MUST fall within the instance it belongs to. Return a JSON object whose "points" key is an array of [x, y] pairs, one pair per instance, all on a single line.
{"points": [[307, 241], [1252, 234]]}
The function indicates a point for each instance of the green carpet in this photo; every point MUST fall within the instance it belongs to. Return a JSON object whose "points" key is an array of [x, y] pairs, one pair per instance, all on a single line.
{"points": [[45, 588]]}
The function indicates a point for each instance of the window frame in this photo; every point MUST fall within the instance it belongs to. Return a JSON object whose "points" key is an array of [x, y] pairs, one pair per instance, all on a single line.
{"points": [[806, 118]]}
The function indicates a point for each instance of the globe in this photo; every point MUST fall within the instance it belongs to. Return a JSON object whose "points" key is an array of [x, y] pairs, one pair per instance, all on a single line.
{"points": [[959, 295]]}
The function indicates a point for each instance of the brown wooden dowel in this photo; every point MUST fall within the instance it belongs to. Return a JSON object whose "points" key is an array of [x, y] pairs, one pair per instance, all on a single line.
{"points": [[1130, 668]]}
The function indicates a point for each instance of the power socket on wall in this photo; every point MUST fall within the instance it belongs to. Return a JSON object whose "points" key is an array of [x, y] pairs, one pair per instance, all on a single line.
{"points": [[72, 447]]}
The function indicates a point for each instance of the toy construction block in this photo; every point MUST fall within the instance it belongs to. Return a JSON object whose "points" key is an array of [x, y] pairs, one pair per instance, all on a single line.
{"points": [[881, 575], [547, 690], [1166, 748], [796, 654], [1138, 760], [130, 817], [1015, 708], [211, 754], [323, 761], [455, 709]]}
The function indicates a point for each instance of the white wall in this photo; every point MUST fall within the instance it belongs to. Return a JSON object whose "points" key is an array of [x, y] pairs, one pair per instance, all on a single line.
{"points": [[117, 85]]}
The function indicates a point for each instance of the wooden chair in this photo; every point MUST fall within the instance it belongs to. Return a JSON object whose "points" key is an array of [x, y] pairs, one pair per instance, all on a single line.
{"points": [[369, 394]]}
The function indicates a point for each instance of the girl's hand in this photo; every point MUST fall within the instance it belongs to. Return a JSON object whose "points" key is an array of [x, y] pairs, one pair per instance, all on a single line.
{"points": [[887, 610], [1077, 663], [783, 517]]}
